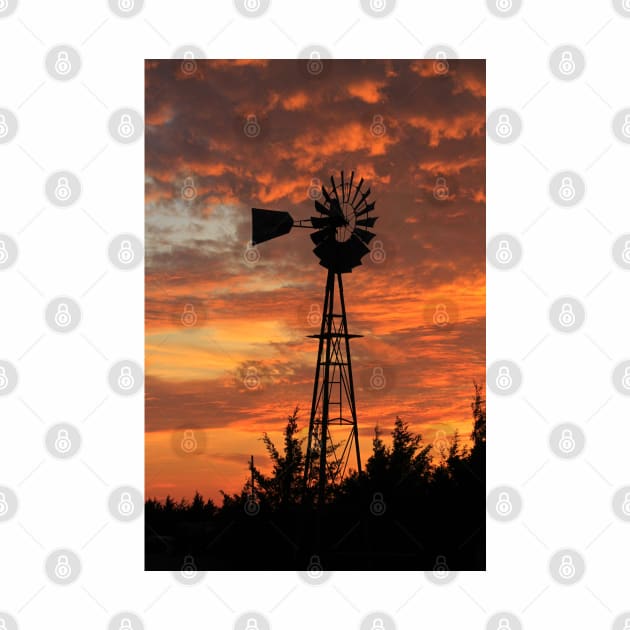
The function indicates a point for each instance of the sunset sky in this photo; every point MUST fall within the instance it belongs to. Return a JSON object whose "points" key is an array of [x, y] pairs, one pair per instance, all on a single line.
{"points": [[399, 124]]}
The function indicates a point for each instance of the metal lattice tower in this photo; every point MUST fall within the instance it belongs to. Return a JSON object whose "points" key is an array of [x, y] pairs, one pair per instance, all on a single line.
{"points": [[333, 409], [341, 239]]}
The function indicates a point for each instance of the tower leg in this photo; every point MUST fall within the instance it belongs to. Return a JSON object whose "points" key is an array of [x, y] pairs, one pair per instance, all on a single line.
{"points": [[308, 461], [330, 289], [353, 405]]}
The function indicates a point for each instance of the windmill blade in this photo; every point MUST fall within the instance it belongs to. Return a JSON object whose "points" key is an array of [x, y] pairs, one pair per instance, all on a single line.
{"points": [[320, 207], [318, 237], [357, 191], [369, 222], [354, 249], [332, 181], [350, 184], [368, 207], [335, 208], [268, 224], [340, 257], [325, 248], [325, 193], [364, 235], [364, 196]]}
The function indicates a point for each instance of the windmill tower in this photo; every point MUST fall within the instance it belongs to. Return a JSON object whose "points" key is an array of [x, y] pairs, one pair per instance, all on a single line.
{"points": [[341, 238]]}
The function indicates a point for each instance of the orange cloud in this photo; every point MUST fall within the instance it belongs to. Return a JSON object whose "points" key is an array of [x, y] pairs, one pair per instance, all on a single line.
{"points": [[368, 90]]}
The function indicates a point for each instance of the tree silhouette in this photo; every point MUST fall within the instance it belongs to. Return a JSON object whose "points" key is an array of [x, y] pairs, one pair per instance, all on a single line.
{"points": [[426, 507]]}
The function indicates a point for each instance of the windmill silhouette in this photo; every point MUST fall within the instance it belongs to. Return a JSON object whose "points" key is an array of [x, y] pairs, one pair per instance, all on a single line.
{"points": [[341, 238]]}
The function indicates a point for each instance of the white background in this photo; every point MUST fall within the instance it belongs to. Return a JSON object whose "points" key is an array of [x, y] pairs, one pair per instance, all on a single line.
{"points": [[63, 251]]}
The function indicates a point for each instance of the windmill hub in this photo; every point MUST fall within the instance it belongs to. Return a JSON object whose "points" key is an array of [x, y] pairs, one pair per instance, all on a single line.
{"points": [[341, 238]]}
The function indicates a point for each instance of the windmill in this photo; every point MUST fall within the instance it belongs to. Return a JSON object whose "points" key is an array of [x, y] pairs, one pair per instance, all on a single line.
{"points": [[341, 237]]}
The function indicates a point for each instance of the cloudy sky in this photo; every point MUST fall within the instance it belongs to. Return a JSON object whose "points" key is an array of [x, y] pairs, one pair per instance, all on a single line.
{"points": [[225, 136]]}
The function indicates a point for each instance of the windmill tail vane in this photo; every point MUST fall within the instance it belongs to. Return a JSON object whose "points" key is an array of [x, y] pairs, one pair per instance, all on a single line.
{"points": [[341, 235]]}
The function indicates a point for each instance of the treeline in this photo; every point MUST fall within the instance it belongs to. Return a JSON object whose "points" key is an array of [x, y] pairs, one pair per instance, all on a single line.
{"points": [[413, 506]]}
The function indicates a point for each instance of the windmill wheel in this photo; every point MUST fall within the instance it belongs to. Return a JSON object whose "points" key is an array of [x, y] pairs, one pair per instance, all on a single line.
{"points": [[342, 237]]}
